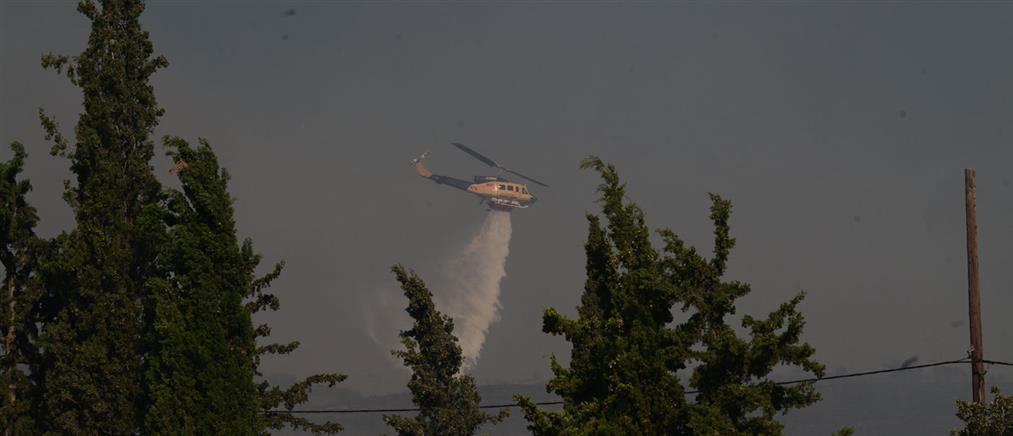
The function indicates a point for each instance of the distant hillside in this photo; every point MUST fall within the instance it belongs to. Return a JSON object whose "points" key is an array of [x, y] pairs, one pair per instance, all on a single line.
{"points": [[898, 404], [361, 424]]}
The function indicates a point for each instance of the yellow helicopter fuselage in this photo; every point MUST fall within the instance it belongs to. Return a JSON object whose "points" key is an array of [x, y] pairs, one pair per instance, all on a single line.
{"points": [[501, 189]]}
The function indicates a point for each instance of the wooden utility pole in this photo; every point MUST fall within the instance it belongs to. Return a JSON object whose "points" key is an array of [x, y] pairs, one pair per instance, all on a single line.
{"points": [[9, 347], [973, 292]]}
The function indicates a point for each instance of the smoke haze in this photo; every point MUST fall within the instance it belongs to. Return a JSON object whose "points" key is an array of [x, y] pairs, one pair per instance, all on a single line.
{"points": [[839, 130]]}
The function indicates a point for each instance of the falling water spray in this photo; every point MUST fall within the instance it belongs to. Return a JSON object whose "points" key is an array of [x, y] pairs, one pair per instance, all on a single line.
{"points": [[472, 295]]}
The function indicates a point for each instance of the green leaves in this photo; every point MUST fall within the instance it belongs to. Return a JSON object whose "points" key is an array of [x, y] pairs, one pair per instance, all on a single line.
{"points": [[990, 419], [447, 400], [622, 374], [735, 396], [201, 366], [96, 306], [721, 211], [19, 249], [147, 302], [627, 354]]}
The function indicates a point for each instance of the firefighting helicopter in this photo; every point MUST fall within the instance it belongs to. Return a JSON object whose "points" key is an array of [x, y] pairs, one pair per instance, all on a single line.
{"points": [[495, 191]]}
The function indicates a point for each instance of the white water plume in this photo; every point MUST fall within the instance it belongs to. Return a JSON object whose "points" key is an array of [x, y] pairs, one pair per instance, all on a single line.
{"points": [[471, 297]]}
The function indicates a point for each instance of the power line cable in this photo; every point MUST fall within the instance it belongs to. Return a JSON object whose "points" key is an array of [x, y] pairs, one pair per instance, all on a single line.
{"points": [[996, 362], [880, 371], [556, 403]]}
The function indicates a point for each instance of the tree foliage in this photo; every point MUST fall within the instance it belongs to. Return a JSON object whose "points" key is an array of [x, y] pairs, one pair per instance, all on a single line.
{"points": [[991, 419], [204, 358], [95, 318], [200, 370], [447, 400], [275, 400], [735, 396], [146, 305], [627, 351], [622, 375], [18, 248]]}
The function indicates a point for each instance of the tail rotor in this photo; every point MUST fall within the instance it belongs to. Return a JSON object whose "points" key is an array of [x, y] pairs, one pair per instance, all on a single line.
{"points": [[421, 158], [421, 167]]}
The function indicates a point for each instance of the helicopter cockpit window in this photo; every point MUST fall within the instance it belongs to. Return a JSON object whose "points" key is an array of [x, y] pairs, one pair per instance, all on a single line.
{"points": [[524, 190]]}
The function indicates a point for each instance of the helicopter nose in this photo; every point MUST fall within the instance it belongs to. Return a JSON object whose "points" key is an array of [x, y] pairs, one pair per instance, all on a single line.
{"points": [[533, 199]]}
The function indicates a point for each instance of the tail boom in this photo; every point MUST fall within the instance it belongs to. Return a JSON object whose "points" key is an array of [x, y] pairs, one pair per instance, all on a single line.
{"points": [[422, 170]]}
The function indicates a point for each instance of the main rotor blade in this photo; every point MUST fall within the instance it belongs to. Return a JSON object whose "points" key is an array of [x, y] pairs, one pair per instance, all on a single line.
{"points": [[492, 163], [522, 175], [476, 155]]}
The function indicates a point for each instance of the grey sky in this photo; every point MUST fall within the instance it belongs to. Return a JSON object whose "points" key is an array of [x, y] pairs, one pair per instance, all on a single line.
{"points": [[839, 131]]}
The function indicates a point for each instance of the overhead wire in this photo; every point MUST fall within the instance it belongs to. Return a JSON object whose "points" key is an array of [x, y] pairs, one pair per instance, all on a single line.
{"points": [[996, 362], [556, 403]]}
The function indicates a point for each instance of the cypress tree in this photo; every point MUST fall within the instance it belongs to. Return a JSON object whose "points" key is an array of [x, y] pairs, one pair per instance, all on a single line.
{"points": [[95, 318], [18, 247], [204, 356], [622, 374], [735, 395], [627, 349], [200, 371], [147, 303], [447, 400]]}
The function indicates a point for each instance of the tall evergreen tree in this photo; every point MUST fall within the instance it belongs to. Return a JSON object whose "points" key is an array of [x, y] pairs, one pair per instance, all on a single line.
{"points": [[95, 319], [18, 247], [147, 305], [447, 400], [622, 375], [626, 351], [200, 371], [204, 357], [735, 395]]}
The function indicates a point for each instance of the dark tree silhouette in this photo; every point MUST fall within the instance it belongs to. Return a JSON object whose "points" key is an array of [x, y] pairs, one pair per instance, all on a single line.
{"points": [[628, 349], [447, 400]]}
